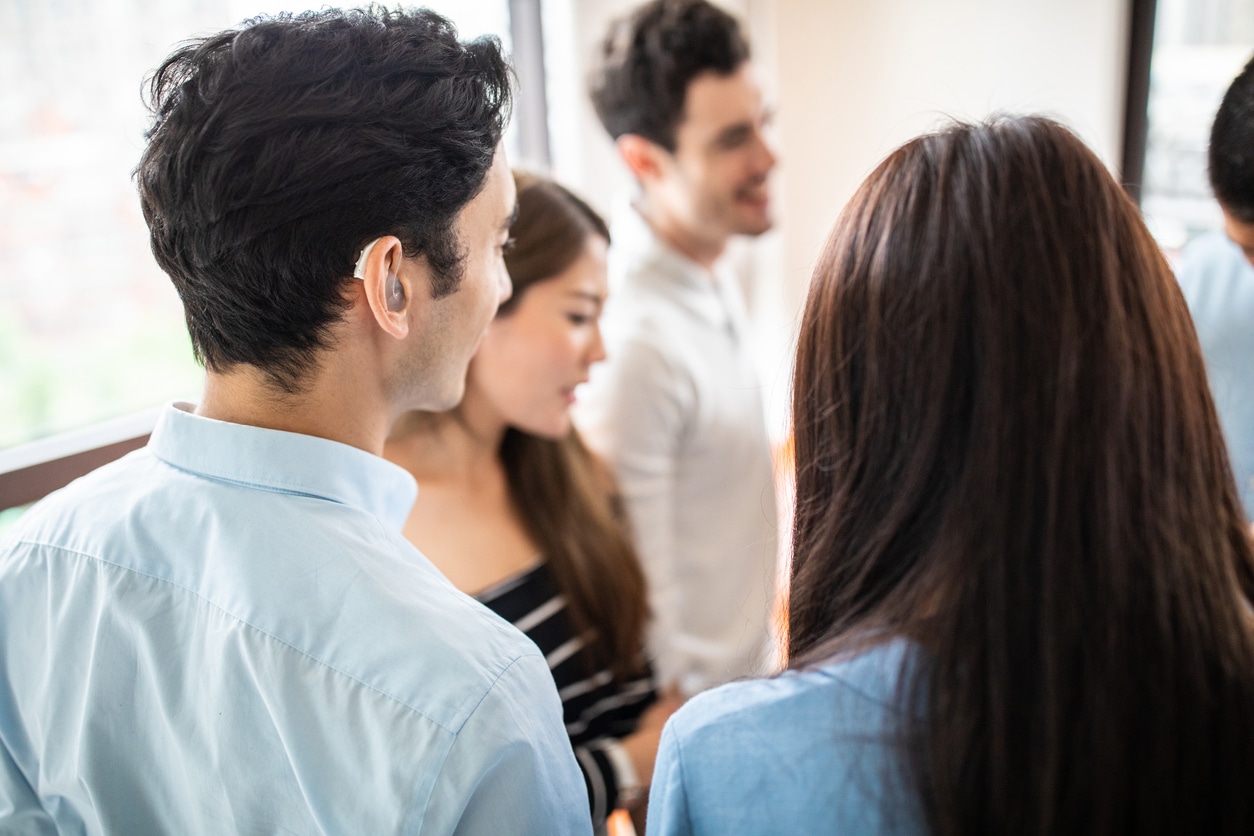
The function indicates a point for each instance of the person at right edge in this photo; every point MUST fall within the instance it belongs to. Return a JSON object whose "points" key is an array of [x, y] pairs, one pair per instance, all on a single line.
{"points": [[1218, 280], [677, 407]]}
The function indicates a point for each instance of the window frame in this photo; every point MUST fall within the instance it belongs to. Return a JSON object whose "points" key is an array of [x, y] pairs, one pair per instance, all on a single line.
{"points": [[1136, 97], [31, 471]]}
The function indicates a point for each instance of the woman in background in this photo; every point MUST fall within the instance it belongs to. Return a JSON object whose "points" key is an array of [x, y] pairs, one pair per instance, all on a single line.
{"points": [[514, 510], [1021, 585]]}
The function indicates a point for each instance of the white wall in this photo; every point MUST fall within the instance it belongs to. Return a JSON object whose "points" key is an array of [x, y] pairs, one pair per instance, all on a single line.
{"points": [[856, 79], [853, 79]]}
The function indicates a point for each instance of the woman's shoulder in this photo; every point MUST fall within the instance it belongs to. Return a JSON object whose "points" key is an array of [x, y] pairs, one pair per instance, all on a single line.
{"points": [[807, 751], [847, 688]]}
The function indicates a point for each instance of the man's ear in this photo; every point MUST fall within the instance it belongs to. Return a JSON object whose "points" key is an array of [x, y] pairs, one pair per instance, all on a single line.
{"points": [[643, 157], [387, 282]]}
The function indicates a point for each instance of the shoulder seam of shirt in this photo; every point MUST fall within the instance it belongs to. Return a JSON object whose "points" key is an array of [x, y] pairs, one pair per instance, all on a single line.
{"points": [[492, 686], [277, 640], [470, 714]]}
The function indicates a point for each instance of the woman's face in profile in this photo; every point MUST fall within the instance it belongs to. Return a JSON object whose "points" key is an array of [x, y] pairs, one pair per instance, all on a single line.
{"points": [[532, 359]]}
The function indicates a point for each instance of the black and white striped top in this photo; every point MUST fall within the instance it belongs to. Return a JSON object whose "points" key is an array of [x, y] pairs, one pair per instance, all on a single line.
{"points": [[594, 707]]}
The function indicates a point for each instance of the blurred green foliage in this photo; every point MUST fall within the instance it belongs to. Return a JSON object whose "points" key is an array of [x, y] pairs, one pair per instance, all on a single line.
{"points": [[49, 386]]}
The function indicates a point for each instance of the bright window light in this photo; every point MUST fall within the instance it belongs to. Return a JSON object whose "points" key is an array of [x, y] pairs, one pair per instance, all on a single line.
{"points": [[90, 328]]}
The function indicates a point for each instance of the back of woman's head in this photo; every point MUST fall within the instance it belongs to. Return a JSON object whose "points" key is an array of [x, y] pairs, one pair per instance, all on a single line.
{"points": [[1006, 451]]}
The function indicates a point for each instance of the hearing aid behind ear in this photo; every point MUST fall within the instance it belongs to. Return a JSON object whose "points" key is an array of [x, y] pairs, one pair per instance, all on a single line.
{"points": [[359, 271], [393, 290]]}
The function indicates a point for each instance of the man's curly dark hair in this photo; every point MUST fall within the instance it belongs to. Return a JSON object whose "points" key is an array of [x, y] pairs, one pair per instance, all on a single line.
{"points": [[648, 59], [279, 149], [1232, 148]]}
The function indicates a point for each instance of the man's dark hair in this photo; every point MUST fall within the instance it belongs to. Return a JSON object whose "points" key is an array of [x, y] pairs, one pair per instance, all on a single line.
{"points": [[648, 59], [1232, 148], [279, 149]]}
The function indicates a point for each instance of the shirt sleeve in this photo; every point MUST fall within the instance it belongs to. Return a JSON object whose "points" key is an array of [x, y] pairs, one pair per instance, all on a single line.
{"points": [[635, 418], [668, 799], [511, 768]]}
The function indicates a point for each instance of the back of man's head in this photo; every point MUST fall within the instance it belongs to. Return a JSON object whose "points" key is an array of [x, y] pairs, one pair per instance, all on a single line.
{"points": [[278, 150], [648, 59], [1232, 148]]}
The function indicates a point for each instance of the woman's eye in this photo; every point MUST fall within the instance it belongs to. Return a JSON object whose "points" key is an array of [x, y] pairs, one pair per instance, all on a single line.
{"points": [[507, 246], [578, 319]]}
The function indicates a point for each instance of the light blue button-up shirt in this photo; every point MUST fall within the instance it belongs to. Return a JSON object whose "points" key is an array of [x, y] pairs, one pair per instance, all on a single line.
{"points": [[803, 753], [225, 632], [1218, 284]]}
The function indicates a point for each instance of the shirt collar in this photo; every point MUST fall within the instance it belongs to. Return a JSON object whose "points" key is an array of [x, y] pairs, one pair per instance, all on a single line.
{"points": [[283, 462]]}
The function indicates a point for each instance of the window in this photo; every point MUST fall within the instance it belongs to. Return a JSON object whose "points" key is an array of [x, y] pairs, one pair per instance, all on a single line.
{"points": [[90, 328], [1199, 47]]}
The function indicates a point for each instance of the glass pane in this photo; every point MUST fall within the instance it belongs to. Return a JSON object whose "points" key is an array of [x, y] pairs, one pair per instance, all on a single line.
{"points": [[90, 328], [1199, 47], [9, 516]]}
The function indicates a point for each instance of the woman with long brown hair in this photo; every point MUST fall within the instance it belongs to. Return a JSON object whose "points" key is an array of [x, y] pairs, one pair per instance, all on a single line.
{"points": [[514, 510], [1021, 585]]}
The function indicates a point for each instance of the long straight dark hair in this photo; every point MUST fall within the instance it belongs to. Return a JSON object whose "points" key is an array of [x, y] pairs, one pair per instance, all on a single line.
{"points": [[565, 497], [1007, 453]]}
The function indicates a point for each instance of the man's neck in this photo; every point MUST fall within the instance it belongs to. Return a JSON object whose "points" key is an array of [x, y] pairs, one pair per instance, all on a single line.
{"points": [[243, 395], [704, 251]]}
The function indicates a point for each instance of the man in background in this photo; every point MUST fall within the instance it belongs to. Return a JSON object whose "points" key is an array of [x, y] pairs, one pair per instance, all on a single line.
{"points": [[225, 632], [1217, 277], [677, 409]]}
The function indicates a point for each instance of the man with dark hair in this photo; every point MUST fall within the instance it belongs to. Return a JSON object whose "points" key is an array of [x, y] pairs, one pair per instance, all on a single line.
{"points": [[1217, 277], [226, 632], [678, 409], [1232, 160]]}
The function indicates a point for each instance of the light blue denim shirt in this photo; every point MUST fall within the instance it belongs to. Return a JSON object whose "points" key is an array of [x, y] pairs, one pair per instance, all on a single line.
{"points": [[1218, 284], [225, 632], [802, 753]]}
